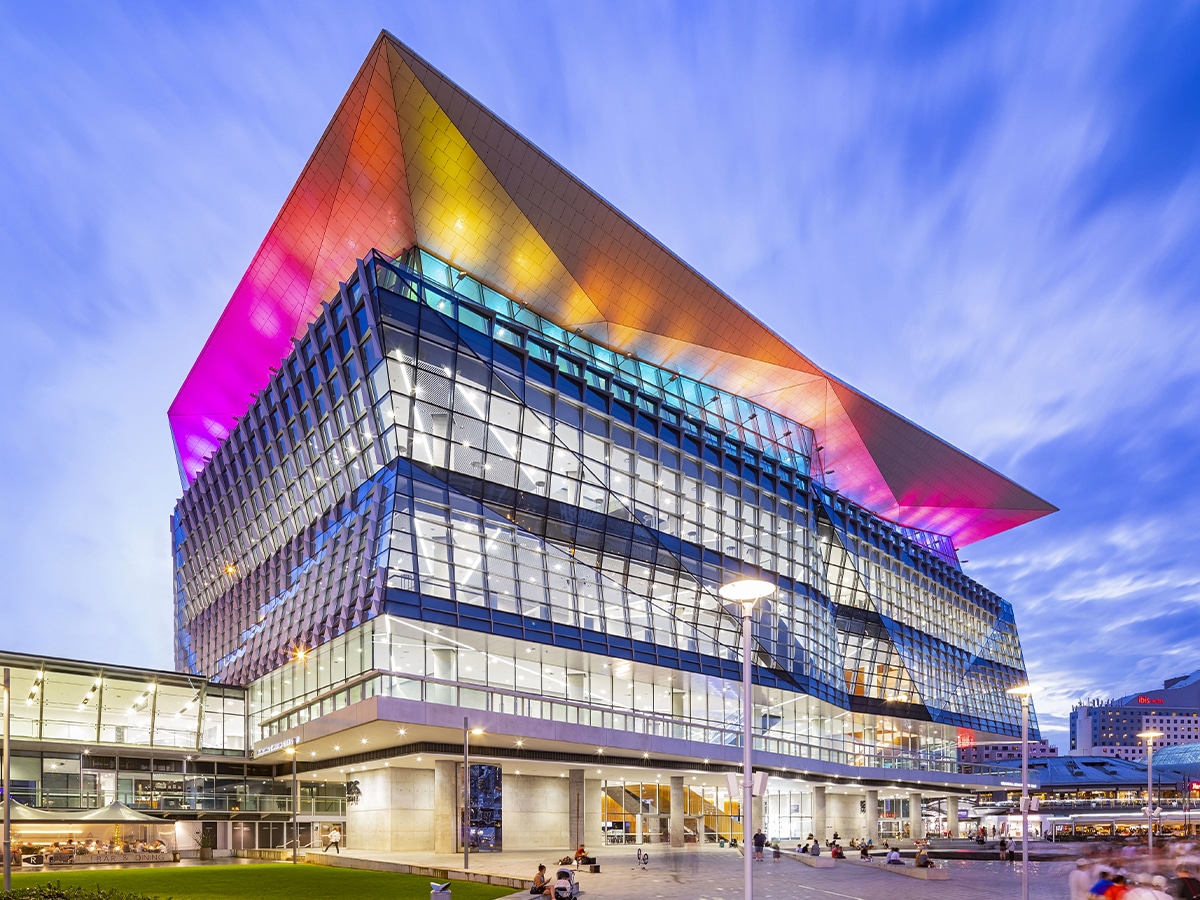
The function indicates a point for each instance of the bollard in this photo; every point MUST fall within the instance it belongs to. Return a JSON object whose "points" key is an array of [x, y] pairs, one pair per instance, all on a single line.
{"points": [[439, 891]]}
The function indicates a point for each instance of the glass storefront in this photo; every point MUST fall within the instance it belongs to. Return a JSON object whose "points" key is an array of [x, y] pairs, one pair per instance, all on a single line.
{"points": [[787, 815], [633, 812]]}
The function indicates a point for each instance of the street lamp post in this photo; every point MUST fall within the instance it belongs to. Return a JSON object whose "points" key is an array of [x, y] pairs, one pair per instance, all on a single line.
{"points": [[7, 785], [1022, 692], [747, 592], [291, 751], [1148, 737], [466, 816]]}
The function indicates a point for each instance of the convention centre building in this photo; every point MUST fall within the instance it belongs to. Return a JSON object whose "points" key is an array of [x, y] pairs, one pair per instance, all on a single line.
{"points": [[466, 460]]}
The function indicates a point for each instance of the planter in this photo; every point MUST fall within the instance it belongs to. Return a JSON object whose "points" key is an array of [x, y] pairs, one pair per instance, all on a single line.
{"points": [[206, 852]]}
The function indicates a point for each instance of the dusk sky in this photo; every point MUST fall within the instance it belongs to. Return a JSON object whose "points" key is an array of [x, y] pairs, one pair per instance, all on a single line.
{"points": [[985, 216]]}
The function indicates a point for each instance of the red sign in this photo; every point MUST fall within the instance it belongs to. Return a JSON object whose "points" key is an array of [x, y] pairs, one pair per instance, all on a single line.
{"points": [[1155, 700]]}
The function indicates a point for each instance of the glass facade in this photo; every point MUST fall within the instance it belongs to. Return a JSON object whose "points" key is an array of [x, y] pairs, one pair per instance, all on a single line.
{"points": [[459, 667], [443, 496], [92, 705]]}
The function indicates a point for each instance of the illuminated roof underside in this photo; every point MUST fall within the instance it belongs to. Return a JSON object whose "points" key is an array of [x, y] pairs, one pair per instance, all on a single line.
{"points": [[409, 158]]}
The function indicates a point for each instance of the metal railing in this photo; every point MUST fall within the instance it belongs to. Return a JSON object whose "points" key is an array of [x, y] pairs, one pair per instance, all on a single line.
{"points": [[177, 801], [578, 712]]}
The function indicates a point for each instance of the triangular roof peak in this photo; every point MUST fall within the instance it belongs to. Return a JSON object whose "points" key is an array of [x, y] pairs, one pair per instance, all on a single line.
{"points": [[411, 158]]}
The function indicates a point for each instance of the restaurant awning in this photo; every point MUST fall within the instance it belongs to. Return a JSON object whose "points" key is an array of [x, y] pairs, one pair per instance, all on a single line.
{"points": [[118, 812], [19, 812]]}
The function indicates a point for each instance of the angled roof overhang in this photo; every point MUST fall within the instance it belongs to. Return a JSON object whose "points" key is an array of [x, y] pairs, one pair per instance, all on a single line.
{"points": [[411, 158]]}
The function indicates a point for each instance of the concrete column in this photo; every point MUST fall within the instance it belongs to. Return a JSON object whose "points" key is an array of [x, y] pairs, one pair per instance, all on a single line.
{"points": [[952, 816], [445, 806], [593, 836], [914, 815], [677, 801], [756, 814], [872, 815], [576, 808], [819, 813], [396, 811]]}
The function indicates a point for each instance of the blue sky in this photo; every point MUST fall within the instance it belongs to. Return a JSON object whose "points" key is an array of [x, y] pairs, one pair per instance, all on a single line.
{"points": [[983, 215]]}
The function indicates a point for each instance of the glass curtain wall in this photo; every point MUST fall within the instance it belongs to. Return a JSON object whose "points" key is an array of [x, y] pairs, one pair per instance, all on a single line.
{"points": [[416, 661], [441, 448], [99, 706]]}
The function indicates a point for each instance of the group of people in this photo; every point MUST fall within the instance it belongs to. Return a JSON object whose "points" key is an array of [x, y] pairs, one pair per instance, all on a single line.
{"points": [[835, 850], [77, 848], [760, 844], [1084, 884], [921, 861], [1116, 869]]}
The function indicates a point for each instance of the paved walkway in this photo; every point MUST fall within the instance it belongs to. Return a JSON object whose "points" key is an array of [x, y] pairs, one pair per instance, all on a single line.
{"points": [[715, 874]]}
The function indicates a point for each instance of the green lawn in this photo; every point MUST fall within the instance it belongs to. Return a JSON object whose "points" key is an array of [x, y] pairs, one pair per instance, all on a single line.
{"points": [[268, 881]]}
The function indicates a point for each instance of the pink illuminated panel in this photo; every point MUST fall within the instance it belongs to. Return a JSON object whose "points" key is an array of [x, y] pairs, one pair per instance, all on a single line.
{"points": [[352, 196]]}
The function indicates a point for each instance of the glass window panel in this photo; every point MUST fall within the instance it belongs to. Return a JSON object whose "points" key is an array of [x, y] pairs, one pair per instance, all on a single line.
{"points": [[176, 716], [71, 708]]}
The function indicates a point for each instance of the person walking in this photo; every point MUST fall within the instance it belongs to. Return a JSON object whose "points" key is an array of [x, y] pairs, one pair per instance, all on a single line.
{"points": [[760, 841], [1185, 885], [335, 841], [1102, 884], [1080, 880]]}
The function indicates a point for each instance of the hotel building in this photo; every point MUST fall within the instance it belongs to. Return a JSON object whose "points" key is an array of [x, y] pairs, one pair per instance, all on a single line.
{"points": [[466, 459], [985, 753], [1111, 727]]}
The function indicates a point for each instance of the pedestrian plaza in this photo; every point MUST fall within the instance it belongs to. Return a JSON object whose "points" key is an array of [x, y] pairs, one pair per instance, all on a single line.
{"points": [[716, 874]]}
